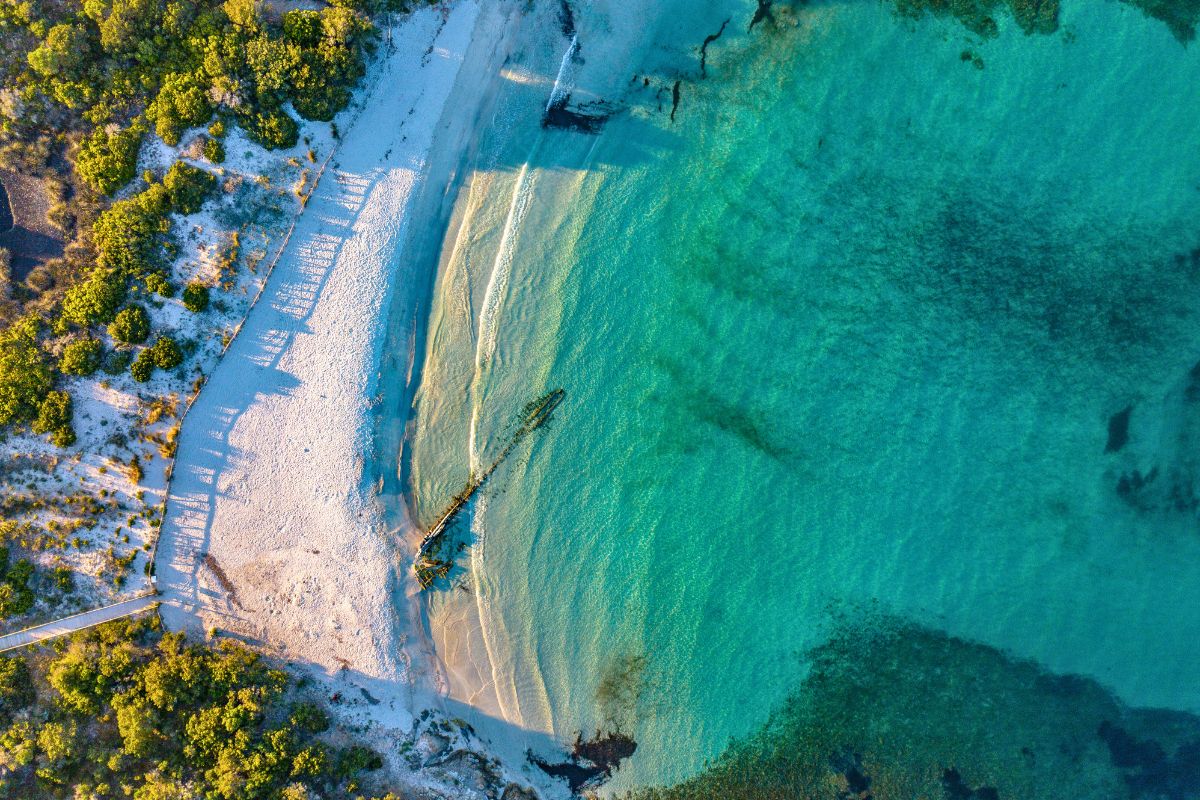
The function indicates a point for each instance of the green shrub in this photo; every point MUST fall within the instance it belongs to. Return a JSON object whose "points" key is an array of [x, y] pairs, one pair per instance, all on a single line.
{"points": [[64, 580], [15, 595], [302, 27], [105, 161], [64, 54], [16, 684], [54, 417], [273, 129], [116, 362], [217, 129], [158, 283], [81, 357], [95, 299], [355, 759], [127, 27], [195, 297], [128, 236], [309, 717], [131, 326], [142, 367], [181, 103], [166, 353], [25, 376], [214, 150], [187, 187]]}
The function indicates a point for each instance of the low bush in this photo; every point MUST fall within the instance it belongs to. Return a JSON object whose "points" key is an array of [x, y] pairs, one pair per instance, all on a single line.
{"points": [[95, 299], [187, 187], [54, 417], [214, 150], [195, 297], [158, 283], [16, 596], [81, 357], [131, 325], [142, 367], [107, 161], [25, 375], [166, 353]]}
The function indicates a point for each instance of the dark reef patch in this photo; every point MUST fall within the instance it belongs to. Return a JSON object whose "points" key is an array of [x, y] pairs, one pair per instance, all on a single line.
{"points": [[744, 424], [620, 688], [1171, 486], [979, 16], [957, 788], [762, 14], [1041, 16], [908, 712], [1191, 392], [1181, 16], [848, 765], [566, 18], [1132, 488], [592, 761], [585, 118], [1149, 771], [1118, 430], [674, 99], [1028, 275], [712, 37]]}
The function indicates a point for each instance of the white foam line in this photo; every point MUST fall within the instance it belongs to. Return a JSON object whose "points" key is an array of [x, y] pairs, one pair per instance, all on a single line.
{"points": [[489, 313], [489, 321], [557, 91]]}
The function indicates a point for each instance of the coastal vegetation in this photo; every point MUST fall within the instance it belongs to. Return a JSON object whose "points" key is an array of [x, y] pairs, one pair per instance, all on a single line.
{"points": [[83, 85], [86, 89], [126, 710], [119, 113]]}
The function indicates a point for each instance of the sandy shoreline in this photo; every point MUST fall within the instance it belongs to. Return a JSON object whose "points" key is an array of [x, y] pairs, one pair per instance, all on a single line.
{"points": [[275, 531]]}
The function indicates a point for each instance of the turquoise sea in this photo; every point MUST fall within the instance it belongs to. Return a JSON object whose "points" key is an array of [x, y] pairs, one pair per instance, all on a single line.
{"points": [[882, 413]]}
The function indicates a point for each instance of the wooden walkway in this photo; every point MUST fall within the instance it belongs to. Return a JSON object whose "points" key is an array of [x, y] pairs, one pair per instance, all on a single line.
{"points": [[76, 622]]}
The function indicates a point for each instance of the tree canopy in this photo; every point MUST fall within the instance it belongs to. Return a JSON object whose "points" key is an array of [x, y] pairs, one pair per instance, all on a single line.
{"points": [[25, 375], [168, 718]]}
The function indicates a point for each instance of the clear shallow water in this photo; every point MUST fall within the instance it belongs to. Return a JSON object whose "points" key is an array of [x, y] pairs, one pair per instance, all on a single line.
{"points": [[845, 335]]}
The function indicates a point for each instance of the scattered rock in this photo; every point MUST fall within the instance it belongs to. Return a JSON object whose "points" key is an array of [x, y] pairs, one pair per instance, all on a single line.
{"points": [[515, 792], [473, 771], [430, 746]]}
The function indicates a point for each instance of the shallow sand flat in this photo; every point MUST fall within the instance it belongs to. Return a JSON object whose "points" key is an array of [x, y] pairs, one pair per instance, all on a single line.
{"points": [[273, 531]]}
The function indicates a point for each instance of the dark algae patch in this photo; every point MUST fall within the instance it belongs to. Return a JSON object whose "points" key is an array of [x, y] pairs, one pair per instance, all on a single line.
{"points": [[892, 711], [586, 118], [1180, 16], [957, 788], [591, 762], [762, 13], [712, 37], [1118, 430], [979, 16], [1041, 16]]}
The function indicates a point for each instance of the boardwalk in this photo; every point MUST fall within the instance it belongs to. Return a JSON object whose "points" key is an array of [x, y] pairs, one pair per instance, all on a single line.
{"points": [[77, 622]]}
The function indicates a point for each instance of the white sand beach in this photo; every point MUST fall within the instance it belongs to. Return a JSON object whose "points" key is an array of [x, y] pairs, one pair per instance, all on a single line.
{"points": [[274, 533]]}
